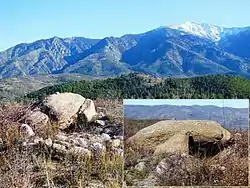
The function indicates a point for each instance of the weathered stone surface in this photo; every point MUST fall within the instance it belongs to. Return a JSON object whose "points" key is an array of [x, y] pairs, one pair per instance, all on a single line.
{"points": [[175, 144], [97, 148], [37, 140], [119, 137], [61, 136], [73, 141], [36, 118], [48, 142], [87, 111], [63, 143], [26, 131], [159, 136], [82, 142], [105, 137], [66, 108], [100, 122], [116, 143], [80, 151], [100, 114], [60, 148], [140, 166]]}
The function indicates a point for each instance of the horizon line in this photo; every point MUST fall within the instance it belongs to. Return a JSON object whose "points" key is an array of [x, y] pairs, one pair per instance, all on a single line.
{"points": [[184, 105], [230, 103]]}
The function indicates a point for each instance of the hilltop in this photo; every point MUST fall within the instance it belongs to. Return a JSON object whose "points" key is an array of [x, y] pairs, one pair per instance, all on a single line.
{"points": [[138, 86]]}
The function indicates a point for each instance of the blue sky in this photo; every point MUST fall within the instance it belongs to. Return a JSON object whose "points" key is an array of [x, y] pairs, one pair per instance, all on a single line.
{"points": [[30, 20], [235, 103]]}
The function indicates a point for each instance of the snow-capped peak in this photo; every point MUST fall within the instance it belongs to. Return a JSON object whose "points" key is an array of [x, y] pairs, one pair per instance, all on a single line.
{"points": [[209, 31], [203, 30]]}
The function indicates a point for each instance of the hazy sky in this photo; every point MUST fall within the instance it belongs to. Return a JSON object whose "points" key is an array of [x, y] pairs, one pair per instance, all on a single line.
{"points": [[235, 103], [30, 20]]}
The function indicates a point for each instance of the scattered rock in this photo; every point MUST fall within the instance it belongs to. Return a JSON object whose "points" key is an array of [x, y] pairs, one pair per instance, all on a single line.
{"points": [[99, 122], [112, 130], [61, 136], [59, 148], [116, 143], [105, 118], [97, 148], [86, 112], [105, 137], [38, 140], [222, 168], [26, 131], [48, 142], [66, 144], [100, 114], [36, 118], [97, 130], [140, 166], [80, 151], [118, 137], [73, 141], [237, 136], [82, 142], [68, 108]]}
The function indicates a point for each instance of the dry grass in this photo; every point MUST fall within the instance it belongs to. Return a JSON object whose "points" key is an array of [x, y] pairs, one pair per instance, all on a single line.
{"points": [[28, 169]]}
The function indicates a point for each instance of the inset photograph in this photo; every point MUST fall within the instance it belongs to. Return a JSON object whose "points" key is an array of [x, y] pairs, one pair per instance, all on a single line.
{"points": [[186, 142]]}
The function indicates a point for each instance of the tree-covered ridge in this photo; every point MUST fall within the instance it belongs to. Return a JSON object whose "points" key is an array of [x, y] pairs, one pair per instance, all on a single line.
{"points": [[137, 86]]}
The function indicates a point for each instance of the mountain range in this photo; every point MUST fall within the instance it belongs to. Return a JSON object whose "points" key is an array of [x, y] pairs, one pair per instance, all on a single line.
{"points": [[188, 49], [227, 116]]}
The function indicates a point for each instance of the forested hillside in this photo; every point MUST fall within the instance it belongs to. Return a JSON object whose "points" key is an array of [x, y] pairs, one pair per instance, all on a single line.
{"points": [[141, 86]]}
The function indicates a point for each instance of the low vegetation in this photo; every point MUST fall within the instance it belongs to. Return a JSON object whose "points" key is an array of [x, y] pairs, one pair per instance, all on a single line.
{"points": [[142, 86]]}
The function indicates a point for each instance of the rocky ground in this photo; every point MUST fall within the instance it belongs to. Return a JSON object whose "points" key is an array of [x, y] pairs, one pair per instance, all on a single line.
{"points": [[63, 141], [181, 165]]}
